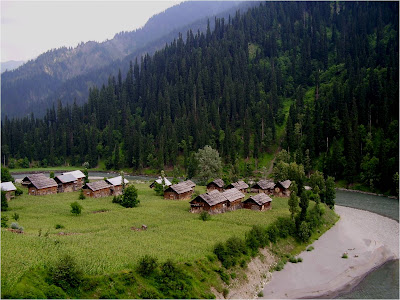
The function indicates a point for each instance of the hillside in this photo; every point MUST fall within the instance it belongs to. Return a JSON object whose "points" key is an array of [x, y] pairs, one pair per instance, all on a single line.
{"points": [[67, 73], [333, 66], [11, 65]]}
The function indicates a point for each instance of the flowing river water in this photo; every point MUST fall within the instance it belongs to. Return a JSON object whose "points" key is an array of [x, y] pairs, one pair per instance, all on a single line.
{"points": [[382, 283]]}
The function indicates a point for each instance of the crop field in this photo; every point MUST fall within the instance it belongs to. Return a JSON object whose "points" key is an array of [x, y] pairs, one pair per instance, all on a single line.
{"points": [[101, 238]]}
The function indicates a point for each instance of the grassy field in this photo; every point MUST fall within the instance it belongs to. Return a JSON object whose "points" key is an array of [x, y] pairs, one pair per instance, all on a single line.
{"points": [[103, 242]]}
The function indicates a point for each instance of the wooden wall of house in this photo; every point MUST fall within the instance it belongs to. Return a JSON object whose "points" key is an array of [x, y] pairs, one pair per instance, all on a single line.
{"points": [[280, 192], [66, 187], [237, 204], [116, 190], [10, 195], [171, 195], [46, 191], [79, 184], [97, 194]]}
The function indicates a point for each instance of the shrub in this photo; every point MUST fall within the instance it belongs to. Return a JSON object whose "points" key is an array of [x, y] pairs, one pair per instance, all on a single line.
{"points": [[15, 216], [4, 220], [4, 203], [293, 260], [19, 192], [59, 226], [82, 195], [273, 233], [147, 265], [130, 197], [304, 233], [225, 292], [279, 266], [310, 248], [174, 283], [205, 216], [14, 225], [299, 259], [76, 208], [117, 199], [260, 294], [344, 255], [66, 273], [159, 189], [51, 174]]}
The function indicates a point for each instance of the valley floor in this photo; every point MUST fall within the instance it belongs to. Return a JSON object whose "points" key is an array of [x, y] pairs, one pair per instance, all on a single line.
{"points": [[369, 240]]}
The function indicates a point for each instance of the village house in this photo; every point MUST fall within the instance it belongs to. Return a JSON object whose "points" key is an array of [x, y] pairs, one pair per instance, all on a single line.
{"points": [[66, 183], [260, 202], [116, 185], [235, 197], [9, 189], [217, 184], [79, 177], [263, 186], [39, 184], [213, 202], [179, 191], [97, 189], [240, 185], [189, 183], [159, 181], [282, 188]]}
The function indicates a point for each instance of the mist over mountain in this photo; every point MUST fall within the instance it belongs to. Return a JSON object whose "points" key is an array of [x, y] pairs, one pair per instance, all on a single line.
{"points": [[68, 73]]}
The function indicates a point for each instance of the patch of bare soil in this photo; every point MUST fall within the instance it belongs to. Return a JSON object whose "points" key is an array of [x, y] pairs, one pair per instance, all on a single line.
{"points": [[100, 211], [67, 233], [15, 230], [258, 275], [144, 227]]}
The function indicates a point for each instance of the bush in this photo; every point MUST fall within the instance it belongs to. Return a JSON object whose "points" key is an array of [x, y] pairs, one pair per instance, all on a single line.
{"points": [[15, 216], [293, 260], [225, 292], [147, 265], [117, 199], [51, 173], [344, 255], [4, 203], [59, 226], [299, 259], [304, 233], [82, 195], [14, 225], [280, 265], [66, 273], [311, 248], [76, 208], [260, 294], [173, 282], [130, 197], [4, 220], [205, 216], [159, 189], [19, 192], [272, 232]]}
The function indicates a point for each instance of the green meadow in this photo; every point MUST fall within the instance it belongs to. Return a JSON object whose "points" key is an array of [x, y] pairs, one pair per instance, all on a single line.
{"points": [[101, 239]]}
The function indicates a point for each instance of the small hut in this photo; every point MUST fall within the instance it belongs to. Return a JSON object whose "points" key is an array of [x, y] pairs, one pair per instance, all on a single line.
{"points": [[9, 188], [79, 177], [159, 181], [213, 202], [179, 191], [97, 189], [260, 202], [217, 184], [189, 183], [66, 183], [282, 188], [240, 185], [40, 185], [235, 197], [116, 185], [263, 186], [27, 180]]}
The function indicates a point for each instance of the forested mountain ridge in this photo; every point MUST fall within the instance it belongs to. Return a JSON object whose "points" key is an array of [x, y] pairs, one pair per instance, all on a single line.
{"points": [[37, 84], [336, 63]]}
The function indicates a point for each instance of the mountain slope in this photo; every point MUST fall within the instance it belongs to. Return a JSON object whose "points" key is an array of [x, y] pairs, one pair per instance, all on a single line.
{"points": [[11, 65], [31, 87]]}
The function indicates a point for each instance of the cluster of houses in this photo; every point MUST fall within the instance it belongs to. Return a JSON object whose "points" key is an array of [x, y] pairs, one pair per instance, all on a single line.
{"points": [[39, 184]]}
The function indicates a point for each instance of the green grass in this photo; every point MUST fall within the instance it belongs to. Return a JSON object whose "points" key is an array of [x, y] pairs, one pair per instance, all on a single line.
{"points": [[103, 242]]}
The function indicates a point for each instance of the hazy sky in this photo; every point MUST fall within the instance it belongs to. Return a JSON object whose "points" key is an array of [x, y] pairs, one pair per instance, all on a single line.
{"points": [[29, 28]]}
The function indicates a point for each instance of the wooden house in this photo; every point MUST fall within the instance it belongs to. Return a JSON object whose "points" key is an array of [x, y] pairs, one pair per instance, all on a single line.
{"points": [[240, 185], [217, 184], [116, 185], [66, 183], [263, 186], [39, 184], [213, 202], [159, 181], [9, 188], [282, 188], [260, 201], [235, 197], [97, 189], [189, 183], [79, 177], [179, 191]]}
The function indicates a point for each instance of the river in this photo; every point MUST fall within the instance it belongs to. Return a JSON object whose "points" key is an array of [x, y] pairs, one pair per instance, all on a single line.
{"points": [[382, 283]]}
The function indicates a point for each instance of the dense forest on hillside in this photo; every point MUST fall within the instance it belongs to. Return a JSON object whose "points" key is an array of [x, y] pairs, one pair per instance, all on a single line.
{"points": [[334, 63]]}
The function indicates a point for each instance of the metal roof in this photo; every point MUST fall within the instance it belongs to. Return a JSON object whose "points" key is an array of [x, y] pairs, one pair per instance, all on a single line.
{"points": [[116, 180], [66, 178], [78, 174], [260, 199], [166, 181], [97, 185], [8, 186]]}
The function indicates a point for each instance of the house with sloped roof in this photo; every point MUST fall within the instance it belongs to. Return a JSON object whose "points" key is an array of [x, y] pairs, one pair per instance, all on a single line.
{"points": [[216, 184], [9, 189], [97, 189], [66, 183], [179, 191], [263, 186], [260, 202], [39, 184], [160, 181], [79, 176], [213, 202], [116, 185], [235, 197], [189, 183], [240, 185], [282, 188]]}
